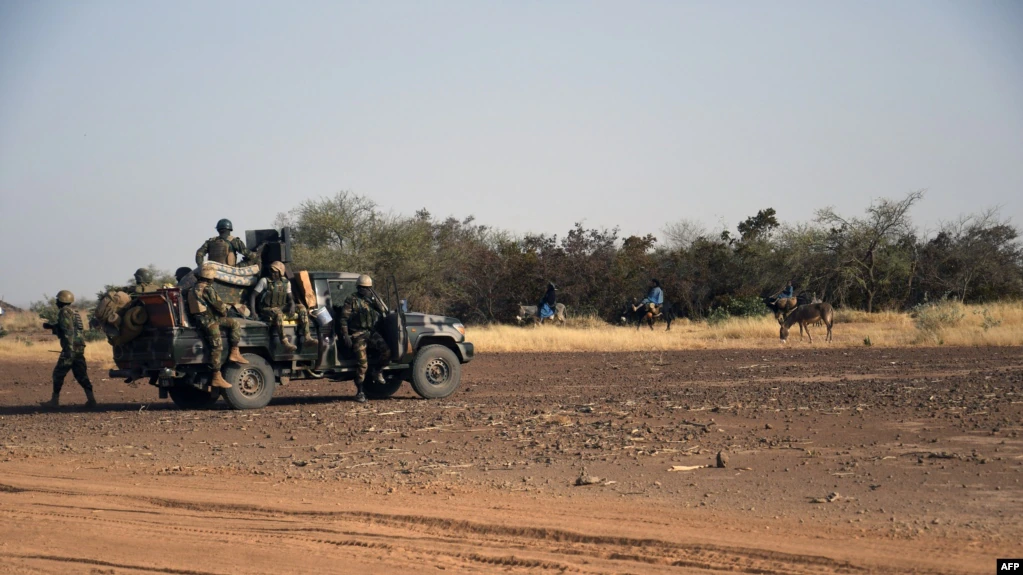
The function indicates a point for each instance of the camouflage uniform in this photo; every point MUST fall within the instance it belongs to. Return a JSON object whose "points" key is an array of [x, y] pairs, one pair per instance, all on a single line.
{"points": [[72, 354], [359, 316], [210, 320], [223, 251], [271, 308]]}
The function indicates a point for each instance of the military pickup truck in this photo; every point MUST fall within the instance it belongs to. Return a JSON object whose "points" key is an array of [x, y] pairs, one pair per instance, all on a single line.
{"points": [[426, 350]]}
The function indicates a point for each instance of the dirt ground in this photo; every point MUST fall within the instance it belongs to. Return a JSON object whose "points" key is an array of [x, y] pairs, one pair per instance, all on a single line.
{"points": [[838, 461]]}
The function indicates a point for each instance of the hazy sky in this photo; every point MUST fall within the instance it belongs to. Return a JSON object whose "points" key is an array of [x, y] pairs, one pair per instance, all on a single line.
{"points": [[128, 128]]}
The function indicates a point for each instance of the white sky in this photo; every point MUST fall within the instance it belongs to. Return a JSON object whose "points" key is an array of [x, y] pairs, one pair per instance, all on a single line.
{"points": [[127, 129]]}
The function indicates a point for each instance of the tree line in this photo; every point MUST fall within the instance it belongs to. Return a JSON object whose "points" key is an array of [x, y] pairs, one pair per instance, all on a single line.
{"points": [[877, 260]]}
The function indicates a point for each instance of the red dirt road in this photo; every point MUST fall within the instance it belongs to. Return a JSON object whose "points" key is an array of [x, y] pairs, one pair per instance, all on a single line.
{"points": [[839, 461]]}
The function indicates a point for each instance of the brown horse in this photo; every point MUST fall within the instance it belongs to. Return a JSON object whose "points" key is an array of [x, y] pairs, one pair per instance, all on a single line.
{"points": [[804, 315]]}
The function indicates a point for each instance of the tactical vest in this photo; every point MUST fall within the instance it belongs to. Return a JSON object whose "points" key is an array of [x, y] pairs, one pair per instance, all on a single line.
{"points": [[195, 303], [276, 294], [221, 251], [75, 337], [364, 315]]}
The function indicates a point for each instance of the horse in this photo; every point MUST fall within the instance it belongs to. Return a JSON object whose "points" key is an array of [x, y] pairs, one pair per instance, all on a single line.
{"points": [[804, 315], [530, 312], [643, 314]]}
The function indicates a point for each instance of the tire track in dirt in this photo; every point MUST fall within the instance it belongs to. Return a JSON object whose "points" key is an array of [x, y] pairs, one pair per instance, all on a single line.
{"points": [[456, 534], [99, 563]]}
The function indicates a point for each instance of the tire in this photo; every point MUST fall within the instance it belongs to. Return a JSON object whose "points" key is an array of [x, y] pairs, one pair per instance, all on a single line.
{"points": [[252, 384], [436, 372], [377, 391], [187, 397]]}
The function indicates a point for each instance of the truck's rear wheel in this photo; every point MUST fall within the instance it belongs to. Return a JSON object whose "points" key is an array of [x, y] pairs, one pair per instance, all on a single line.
{"points": [[187, 397], [436, 372], [252, 384], [376, 391]]}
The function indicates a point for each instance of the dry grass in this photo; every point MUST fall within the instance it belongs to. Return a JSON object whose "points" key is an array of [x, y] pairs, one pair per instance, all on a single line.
{"points": [[27, 340], [995, 324], [12, 347], [21, 322]]}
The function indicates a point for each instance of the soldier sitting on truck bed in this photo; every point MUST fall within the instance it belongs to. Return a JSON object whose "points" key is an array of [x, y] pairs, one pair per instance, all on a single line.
{"points": [[359, 316], [210, 314], [274, 299], [223, 248], [143, 282]]}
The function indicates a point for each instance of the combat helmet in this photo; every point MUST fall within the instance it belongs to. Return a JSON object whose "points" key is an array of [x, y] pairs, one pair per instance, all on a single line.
{"points": [[225, 224], [144, 276], [65, 297], [208, 272], [278, 267], [364, 281]]}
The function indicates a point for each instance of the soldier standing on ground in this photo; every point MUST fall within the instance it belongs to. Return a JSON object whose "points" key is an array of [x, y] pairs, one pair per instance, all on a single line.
{"points": [[72, 350], [224, 248], [359, 316], [210, 314], [275, 300]]}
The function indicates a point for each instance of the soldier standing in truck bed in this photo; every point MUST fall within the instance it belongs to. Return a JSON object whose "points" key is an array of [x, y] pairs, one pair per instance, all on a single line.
{"points": [[210, 314], [224, 248], [359, 316], [275, 300], [69, 329]]}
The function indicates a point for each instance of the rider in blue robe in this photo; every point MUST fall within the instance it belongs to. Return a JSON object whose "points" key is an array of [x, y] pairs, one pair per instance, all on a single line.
{"points": [[545, 308]]}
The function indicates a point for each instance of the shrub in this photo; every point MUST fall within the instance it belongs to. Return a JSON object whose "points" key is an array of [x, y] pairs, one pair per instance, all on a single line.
{"points": [[747, 307], [932, 318], [987, 322], [717, 316]]}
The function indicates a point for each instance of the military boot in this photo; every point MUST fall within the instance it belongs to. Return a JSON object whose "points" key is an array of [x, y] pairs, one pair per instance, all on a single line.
{"points": [[90, 399], [288, 346], [219, 381], [236, 356], [360, 396], [54, 402], [379, 379]]}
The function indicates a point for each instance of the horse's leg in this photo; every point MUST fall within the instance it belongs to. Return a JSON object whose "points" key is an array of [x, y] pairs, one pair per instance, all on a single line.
{"points": [[807, 331]]}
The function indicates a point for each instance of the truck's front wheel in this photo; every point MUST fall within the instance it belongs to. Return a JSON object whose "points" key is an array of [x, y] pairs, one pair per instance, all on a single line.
{"points": [[252, 384], [187, 397], [436, 372]]}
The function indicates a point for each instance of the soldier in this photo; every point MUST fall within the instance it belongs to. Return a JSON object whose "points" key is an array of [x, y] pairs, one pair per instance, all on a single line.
{"points": [[210, 314], [223, 248], [143, 282], [275, 300], [72, 350], [359, 316]]}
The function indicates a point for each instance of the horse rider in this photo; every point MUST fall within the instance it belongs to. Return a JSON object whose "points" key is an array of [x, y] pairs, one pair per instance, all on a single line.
{"points": [[654, 298], [786, 293], [546, 307], [224, 248], [359, 317]]}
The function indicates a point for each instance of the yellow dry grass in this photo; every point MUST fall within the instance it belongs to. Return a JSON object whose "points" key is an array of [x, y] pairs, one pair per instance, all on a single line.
{"points": [[97, 353], [20, 321], [851, 328]]}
